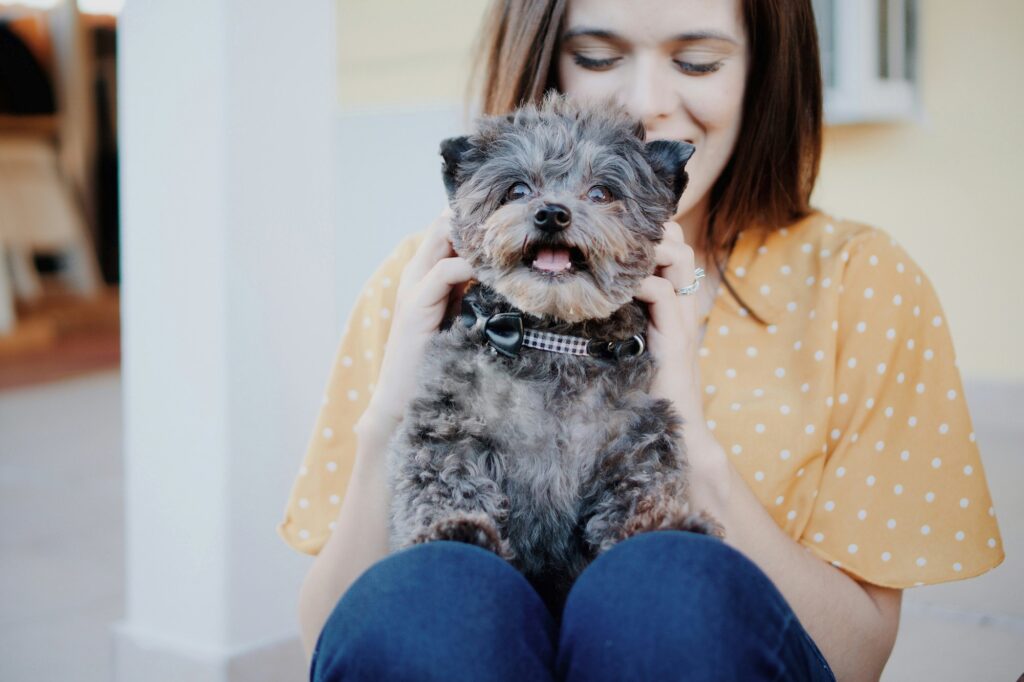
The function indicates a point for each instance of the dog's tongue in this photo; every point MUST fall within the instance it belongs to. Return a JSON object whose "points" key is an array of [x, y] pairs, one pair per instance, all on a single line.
{"points": [[554, 260]]}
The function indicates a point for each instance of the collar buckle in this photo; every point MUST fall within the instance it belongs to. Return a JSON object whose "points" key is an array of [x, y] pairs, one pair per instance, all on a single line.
{"points": [[613, 350]]}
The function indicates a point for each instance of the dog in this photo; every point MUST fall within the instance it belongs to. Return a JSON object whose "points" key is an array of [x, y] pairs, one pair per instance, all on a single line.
{"points": [[532, 433]]}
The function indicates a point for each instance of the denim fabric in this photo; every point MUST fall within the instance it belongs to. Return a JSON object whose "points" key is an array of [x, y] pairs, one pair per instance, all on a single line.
{"points": [[664, 605]]}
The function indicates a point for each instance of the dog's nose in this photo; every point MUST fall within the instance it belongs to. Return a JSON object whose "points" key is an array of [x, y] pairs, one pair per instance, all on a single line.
{"points": [[552, 218]]}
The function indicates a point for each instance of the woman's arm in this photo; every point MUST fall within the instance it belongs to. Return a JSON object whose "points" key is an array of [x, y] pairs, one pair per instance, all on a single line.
{"points": [[360, 536], [853, 623]]}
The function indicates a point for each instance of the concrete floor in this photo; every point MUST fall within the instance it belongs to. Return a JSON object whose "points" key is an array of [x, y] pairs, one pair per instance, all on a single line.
{"points": [[62, 546]]}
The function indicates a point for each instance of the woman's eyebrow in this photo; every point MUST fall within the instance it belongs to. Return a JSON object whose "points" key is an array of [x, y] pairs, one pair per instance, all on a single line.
{"points": [[690, 36]]}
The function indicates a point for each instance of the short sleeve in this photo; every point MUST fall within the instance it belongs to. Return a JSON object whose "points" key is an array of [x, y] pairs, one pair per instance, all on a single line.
{"points": [[903, 499], [326, 468]]}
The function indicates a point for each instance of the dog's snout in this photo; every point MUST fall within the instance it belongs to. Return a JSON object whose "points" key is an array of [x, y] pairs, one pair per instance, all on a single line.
{"points": [[552, 217]]}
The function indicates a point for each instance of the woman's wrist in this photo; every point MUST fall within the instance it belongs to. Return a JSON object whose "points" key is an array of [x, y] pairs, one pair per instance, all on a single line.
{"points": [[710, 474], [374, 428], [380, 414]]}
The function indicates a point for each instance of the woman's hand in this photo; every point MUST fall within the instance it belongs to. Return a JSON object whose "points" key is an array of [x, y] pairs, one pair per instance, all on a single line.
{"points": [[673, 338], [425, 292]]}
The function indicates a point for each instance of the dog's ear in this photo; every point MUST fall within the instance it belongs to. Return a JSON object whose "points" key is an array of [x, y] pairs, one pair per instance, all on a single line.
{"points": [[639, 130], [452, 151], [668, 159]]}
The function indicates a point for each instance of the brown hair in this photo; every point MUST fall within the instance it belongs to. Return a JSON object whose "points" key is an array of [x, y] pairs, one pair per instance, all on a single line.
{"points": [[768, 180]]}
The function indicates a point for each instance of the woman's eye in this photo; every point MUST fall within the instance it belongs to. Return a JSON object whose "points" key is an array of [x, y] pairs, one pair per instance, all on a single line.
{"points": [[520, 190], [604, 63], [599, 194], [690, 67], [593, 63]]}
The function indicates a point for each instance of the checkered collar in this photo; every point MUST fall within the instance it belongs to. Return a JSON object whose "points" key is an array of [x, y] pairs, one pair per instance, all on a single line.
{"points": [[505, 333]]}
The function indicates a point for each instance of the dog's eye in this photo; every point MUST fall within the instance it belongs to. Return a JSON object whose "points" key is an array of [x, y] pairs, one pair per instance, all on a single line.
{"points": [[599, 194], [520, 190]]}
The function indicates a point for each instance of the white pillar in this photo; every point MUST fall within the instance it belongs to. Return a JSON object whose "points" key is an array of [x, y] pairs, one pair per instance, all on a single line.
{"points": [[229, 312]]}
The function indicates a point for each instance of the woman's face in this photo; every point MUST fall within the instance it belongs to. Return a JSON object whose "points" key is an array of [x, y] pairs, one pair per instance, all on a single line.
{"points": [[678, 65]]}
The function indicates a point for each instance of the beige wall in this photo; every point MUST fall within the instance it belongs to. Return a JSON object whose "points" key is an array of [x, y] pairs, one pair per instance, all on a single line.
{"points": [[946, 189], [405, 53]]}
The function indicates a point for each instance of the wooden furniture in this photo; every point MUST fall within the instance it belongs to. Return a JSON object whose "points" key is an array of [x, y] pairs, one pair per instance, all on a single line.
{"points": [[47, 184]]}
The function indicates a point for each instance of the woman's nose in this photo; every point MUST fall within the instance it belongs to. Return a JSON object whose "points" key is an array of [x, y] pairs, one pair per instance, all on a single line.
{"points": [[649, 94]]}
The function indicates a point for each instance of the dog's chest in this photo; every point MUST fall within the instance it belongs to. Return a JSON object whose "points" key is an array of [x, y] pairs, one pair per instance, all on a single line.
{"points": [[553, 422]]}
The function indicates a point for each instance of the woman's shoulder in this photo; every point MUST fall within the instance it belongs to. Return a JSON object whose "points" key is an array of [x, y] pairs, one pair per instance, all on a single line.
{"points": [[405, 249], [824, 235], [824, 250], [815, 260], [411, 242], [389, 270]]}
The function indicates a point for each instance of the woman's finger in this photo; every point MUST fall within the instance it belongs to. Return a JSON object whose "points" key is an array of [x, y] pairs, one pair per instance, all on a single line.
{"points": [[436, 245], [676, 262], [671, 313], [674, 232], [660, 297], [436, 286]]}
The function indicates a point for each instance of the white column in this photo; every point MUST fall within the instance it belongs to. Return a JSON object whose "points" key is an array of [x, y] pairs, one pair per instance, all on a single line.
{"points": [[229, 312]]}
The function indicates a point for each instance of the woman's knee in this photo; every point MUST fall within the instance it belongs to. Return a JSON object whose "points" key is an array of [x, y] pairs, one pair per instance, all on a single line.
{"points": [[697, 572], [431, 608], [666, 601]]}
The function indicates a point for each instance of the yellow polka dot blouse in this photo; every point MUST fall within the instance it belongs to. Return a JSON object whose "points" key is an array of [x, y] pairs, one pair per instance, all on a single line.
{"points": [[844, 413]]}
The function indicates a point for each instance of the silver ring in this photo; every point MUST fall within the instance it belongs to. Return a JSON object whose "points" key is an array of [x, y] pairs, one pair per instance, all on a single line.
{"points": [[692, 288], [640, 340]]}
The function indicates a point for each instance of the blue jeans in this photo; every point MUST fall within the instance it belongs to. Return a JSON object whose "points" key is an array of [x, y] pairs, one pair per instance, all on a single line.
{"points": [[662, 605]]}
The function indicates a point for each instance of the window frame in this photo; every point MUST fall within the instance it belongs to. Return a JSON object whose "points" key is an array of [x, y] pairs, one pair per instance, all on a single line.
{"points": [[850, 38]]}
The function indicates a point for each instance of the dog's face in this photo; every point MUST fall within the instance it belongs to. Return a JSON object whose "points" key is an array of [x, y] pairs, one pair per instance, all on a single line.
{"points": [[559, 207]]}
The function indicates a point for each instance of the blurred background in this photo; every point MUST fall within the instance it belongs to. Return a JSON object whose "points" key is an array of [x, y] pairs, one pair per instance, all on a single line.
{"points": [[191, 195]]}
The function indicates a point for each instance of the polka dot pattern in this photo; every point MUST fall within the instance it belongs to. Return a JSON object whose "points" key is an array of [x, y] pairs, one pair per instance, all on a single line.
{"points": [[327, 466], [844, 412], [881, 428]]}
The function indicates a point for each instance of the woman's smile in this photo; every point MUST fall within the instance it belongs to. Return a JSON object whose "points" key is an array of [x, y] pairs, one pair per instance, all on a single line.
{"points": [[679, 67]]}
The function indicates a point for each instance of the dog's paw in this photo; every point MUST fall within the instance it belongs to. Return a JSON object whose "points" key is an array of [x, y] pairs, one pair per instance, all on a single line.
{"points": [[472, 528], [700, 522], [672, 516]]}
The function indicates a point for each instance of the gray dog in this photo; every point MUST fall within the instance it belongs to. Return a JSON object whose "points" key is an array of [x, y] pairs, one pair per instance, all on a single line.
{"points": [[532, 433]]}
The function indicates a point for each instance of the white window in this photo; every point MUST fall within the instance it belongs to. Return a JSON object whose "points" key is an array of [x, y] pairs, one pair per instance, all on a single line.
{"points": [[869, 59]]}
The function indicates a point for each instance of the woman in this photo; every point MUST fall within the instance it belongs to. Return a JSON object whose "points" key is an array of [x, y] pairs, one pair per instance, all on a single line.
{"points": [[824, 413]]}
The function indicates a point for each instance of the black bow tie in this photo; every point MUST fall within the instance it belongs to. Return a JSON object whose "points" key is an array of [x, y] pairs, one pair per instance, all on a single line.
{"points": [[505, 333]]}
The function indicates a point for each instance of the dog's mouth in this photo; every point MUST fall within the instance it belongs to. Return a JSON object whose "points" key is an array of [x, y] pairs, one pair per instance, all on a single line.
{"points": [[554, 258]]}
